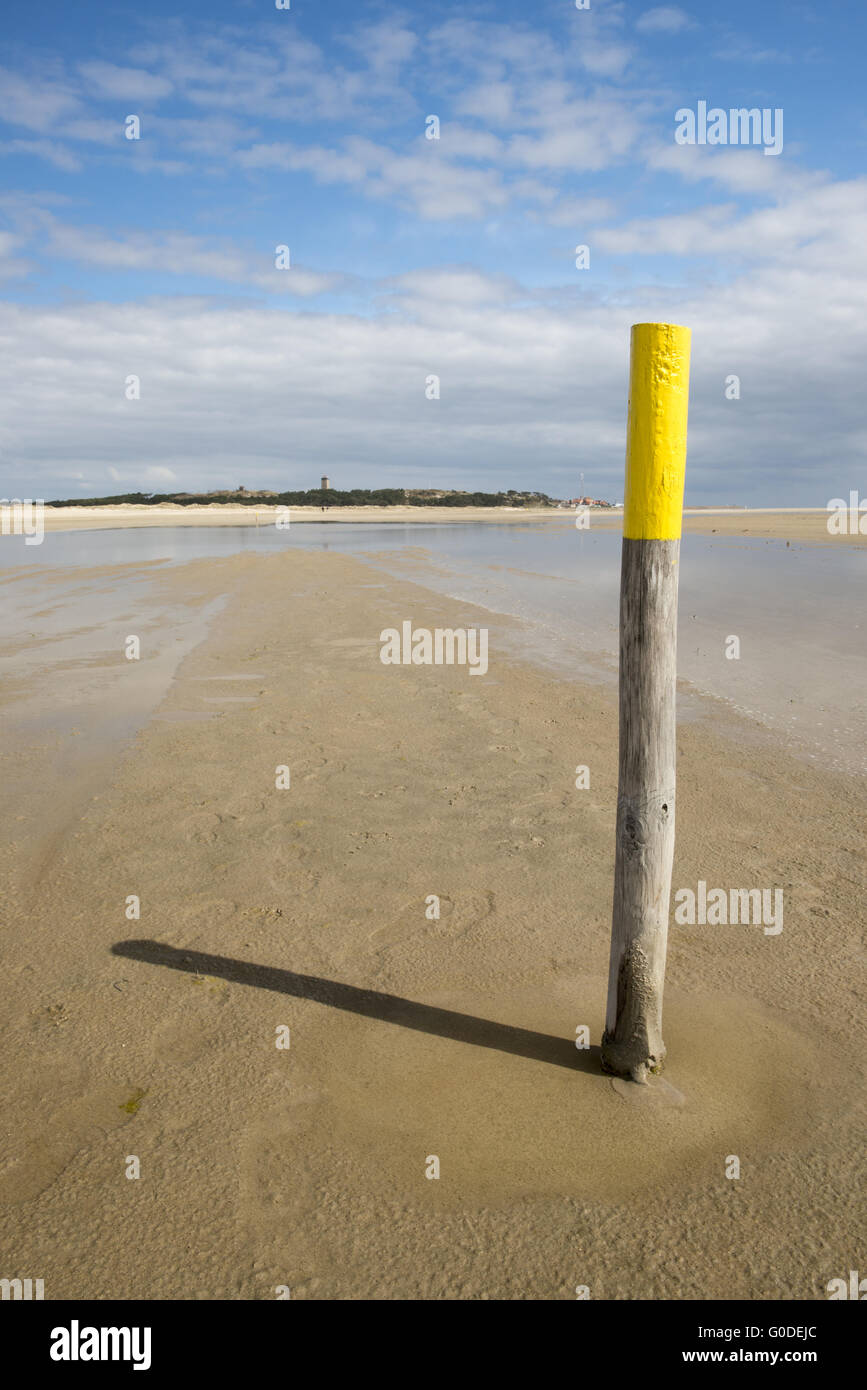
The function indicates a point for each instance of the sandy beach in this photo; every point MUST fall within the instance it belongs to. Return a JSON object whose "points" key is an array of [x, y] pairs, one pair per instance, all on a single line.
{"points": [[764, 523], [304, 908]]}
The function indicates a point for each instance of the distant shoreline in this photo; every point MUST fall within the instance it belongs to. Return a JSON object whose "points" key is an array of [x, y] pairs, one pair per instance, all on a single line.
{"points": [[803, 524]]}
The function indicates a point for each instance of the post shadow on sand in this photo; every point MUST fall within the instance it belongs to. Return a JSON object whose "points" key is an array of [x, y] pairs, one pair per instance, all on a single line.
{"points": [[369, 1003]]}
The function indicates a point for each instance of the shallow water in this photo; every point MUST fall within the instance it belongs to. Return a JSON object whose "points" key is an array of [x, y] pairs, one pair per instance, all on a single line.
{"points": [[71, 700], [797, 610]]}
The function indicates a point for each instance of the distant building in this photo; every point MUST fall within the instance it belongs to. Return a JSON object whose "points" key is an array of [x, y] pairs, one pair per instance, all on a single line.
{"points": [[587, 502], [325, 484]]}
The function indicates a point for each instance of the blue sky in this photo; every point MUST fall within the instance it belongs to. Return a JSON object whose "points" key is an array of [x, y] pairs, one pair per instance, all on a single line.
{"points": [[413, 257]]}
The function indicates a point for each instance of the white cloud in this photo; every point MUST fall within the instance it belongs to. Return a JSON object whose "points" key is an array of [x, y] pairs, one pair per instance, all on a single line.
{"points": [[453, 285], [743, 170], [424, 177], [812, 224], [583, 136], [43, 104], [530, 387], [489, 101], [504, 87], [580, 213], [51, 150], [124, 84], [11, 265], [384, 45], [172, 253], [663, 19], [605, 59], [742, 50]]}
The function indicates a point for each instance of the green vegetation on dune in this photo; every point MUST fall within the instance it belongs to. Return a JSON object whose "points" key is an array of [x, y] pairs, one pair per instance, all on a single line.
{"points": [[321, 497]]}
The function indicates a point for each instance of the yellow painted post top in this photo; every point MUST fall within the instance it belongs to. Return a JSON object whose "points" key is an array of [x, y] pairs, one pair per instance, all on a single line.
{"points": [[656, 431]]}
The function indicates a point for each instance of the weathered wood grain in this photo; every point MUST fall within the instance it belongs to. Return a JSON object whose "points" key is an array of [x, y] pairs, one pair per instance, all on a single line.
{"points": [[632, 1044]]}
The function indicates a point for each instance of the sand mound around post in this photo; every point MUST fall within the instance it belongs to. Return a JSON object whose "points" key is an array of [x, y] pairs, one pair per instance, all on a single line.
{"points": [[505, 1124]]}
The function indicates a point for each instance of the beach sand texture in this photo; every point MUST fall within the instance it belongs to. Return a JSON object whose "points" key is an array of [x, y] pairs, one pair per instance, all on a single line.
{"points": [[305, 908]]}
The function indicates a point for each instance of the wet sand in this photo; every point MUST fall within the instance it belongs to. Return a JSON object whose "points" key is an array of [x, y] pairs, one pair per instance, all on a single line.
{"points": [[809, 527], [306, 908], [218, 514]]}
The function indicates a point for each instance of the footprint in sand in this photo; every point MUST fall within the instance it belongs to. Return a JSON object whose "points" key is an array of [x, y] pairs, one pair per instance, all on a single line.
{"points": [[181, 1042], [278, 1174], [457, 917], [78, 1125]]}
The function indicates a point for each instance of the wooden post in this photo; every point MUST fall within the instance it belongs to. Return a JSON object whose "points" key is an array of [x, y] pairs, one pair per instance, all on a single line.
{"points": [[652, 513]]}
